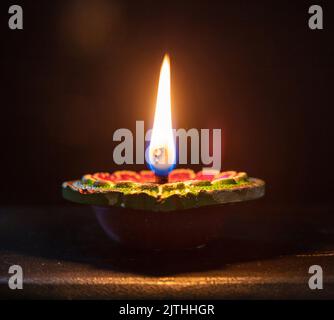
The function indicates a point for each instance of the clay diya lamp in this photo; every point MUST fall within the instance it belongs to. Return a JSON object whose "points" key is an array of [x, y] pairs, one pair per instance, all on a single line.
{"points": [[185, 212], [163, 208]]}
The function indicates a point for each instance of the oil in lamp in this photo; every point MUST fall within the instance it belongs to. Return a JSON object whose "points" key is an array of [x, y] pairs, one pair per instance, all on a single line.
{"points": [[163, 208]]}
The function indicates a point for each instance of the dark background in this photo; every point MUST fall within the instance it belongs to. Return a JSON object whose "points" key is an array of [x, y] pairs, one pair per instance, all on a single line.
{"points": [[82, 69]]}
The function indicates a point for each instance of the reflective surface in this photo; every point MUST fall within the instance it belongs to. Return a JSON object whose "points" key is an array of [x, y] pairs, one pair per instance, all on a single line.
{"points": [[265, 254]]}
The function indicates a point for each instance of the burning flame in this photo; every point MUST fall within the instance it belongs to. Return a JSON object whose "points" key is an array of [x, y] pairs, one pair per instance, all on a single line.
{"points": [[162, 146]]}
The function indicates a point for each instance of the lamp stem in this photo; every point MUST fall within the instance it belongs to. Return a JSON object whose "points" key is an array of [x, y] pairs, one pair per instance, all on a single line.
{"points": [[161, 179]]}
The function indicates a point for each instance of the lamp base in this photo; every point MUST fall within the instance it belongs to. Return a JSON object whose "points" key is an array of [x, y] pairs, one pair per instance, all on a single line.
{"points": [[173, 230]]}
